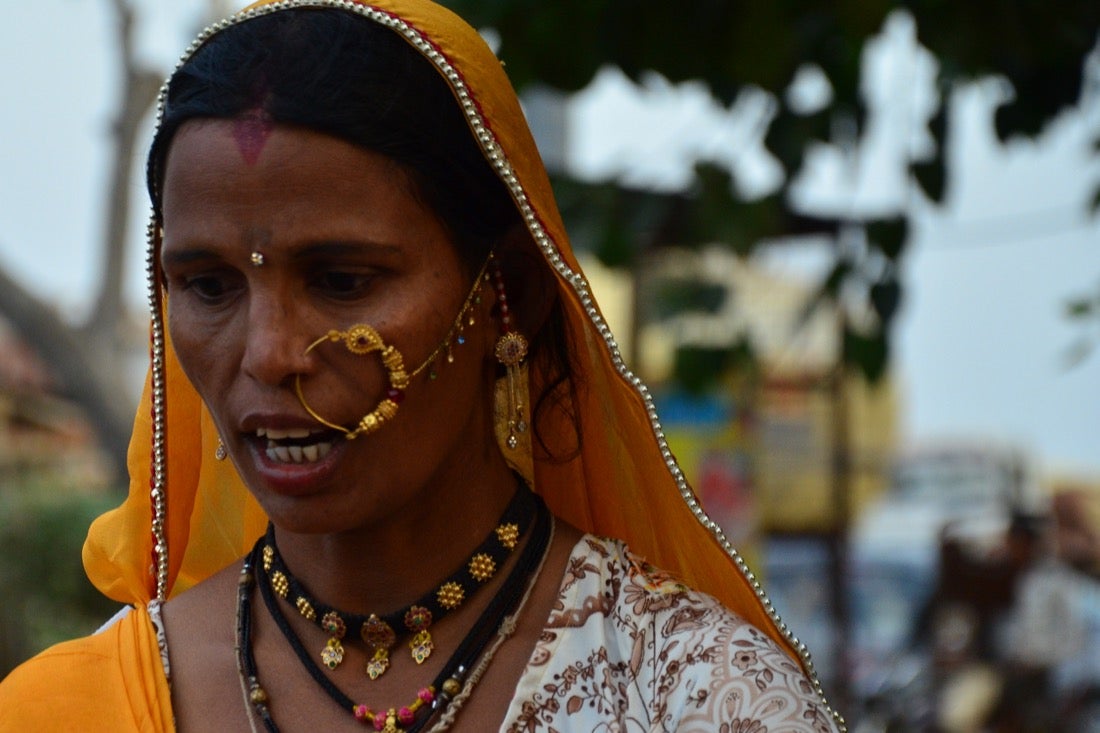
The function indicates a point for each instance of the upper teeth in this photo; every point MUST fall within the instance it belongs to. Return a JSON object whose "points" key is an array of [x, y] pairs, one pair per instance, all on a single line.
{"points": [[273, 434], [294, 453]]}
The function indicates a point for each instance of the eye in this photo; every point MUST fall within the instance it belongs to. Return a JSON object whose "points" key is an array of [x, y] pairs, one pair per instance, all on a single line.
{"points": [[210, 288], [342, 284]]}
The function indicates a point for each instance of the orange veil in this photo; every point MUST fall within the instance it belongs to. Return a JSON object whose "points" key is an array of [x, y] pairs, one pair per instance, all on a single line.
{"points": [[188, 515]]}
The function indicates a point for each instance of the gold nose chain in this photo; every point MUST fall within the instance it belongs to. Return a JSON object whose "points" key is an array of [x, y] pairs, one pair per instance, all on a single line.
{"points": [[363, 339]]}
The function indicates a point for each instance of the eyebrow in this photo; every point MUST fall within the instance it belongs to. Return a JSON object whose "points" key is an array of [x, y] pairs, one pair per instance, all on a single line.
{"points": [[186, 256], [339, 248]]}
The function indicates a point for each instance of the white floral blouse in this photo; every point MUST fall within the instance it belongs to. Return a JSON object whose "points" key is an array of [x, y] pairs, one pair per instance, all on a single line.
{"points": [[627, 648]]}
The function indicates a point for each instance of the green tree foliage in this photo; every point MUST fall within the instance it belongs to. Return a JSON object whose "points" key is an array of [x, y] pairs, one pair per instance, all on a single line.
{"points": [[43, 521], [1038, 47]]}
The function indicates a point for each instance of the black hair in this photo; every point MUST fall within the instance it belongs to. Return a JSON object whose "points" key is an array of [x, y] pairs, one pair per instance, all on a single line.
{"points": [[334, 72]]}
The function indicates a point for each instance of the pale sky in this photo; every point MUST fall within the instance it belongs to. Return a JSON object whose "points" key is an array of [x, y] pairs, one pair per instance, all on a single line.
{"points": [[980, 342]]}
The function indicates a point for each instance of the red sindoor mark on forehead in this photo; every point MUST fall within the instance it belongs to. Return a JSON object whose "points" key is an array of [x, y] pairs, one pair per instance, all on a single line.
{"points": [[250, 131]]}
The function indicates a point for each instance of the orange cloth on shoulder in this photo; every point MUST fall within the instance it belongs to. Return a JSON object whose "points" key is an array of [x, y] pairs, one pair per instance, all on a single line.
{"points": [[106, 683]]}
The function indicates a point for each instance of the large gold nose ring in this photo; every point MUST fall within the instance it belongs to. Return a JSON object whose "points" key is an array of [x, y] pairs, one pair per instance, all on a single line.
{"points": [[362, 339]]}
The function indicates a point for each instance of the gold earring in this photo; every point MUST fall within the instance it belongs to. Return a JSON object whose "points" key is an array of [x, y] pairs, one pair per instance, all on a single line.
{"points": [[511, 350], [220, 452], [257, 259]]}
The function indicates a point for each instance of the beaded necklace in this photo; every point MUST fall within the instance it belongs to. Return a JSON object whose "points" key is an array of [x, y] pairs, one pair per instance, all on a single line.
{"points": [[379, 632], [454, 680]]}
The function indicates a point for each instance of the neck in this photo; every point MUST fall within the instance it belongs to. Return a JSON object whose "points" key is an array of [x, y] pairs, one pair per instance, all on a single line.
{"points": [[389, 564]]}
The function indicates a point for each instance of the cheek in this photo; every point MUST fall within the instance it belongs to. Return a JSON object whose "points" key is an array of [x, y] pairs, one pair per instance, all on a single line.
{"points": [[202, 351]]}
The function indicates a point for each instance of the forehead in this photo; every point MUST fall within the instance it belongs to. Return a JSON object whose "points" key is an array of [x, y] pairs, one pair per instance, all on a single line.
{"points": [[253, 147], [245, 175]]}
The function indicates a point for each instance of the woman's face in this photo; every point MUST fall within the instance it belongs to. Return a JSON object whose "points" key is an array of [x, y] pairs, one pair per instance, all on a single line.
{"points": [[344, 240]]}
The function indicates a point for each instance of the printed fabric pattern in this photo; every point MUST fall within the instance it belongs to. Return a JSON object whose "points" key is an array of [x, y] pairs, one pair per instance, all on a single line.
{"points": [[629, 648]]}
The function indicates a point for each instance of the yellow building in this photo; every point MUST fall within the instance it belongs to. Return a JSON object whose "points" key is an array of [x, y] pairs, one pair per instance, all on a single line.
{"points": [[792, 449]]}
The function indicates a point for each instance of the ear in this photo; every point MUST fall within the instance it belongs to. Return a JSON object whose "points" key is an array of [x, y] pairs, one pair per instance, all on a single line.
{"points": [[528, 281]]}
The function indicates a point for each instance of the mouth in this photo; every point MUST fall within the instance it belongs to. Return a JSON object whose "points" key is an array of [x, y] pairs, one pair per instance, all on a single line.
{"points": [[297, 445]]}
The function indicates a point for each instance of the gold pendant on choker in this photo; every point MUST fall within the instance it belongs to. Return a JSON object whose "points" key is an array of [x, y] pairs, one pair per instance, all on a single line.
{"points": [[333, 653], [421, 646], [379, 638], [417, 620]]}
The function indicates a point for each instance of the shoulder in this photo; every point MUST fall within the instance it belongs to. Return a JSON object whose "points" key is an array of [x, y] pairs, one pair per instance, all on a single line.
{"points": [[603, 576], [63, 664], [671, 657], [100, 682]]}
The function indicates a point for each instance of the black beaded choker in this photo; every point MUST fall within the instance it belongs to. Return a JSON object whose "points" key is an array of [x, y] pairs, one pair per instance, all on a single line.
{"points": [[455, 674], [380, 632]]}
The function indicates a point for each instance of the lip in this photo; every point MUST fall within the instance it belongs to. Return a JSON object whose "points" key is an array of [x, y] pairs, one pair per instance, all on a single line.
{"points": [[288, 479], [293, 479], [252, 422]]}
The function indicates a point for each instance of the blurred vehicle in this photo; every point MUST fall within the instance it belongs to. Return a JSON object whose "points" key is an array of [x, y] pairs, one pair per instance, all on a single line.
{"points": [[944, 529], [894, 547]]}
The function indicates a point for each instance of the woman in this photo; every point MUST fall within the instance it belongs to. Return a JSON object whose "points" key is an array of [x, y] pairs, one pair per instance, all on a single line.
{"points": [[364, 299]]}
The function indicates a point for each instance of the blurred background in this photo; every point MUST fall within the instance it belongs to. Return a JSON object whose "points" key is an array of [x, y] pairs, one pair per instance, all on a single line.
{"points": [[853, 247]]}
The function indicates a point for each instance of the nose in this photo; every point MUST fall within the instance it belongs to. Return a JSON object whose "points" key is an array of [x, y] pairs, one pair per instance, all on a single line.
{"points": [[275, 345]]}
